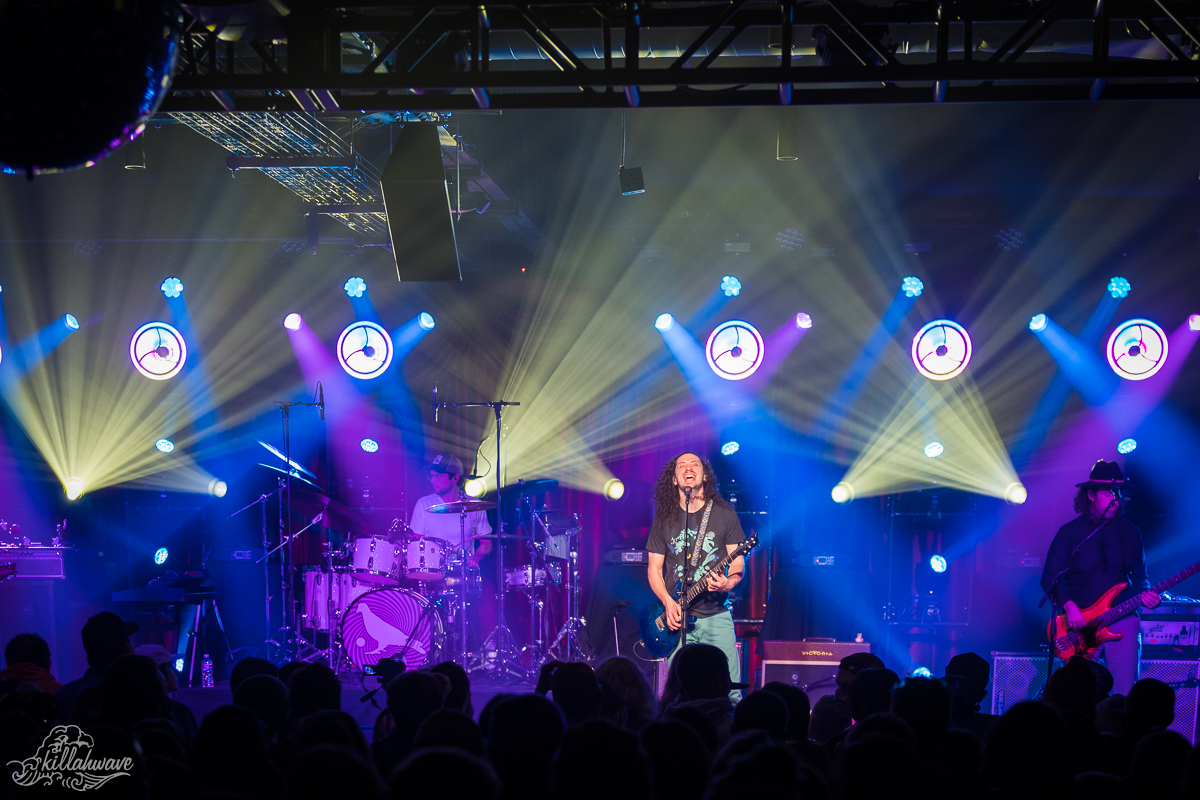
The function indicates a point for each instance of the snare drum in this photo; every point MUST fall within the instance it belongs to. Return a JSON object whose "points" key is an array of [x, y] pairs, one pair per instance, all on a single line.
{"points": [[376, 560], [524, 578], [425, 558]]}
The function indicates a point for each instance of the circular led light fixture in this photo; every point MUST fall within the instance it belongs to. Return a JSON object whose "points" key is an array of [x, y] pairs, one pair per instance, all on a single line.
{"points": [[734, 350], [1118, 287], [369, 445], [1037, 322], [364, 350], [70, 321], [842, 493], [165, 446], [934, 449], [172, 287], [160, 556], [217, 487], [355, 287], [475, 487], [1137, 349], [921, 672], [425, 320], [614, 489], [729, 448], [158, 351], [1126, 446], [664, 322], [74, 487], [292, 321], [1015, 494], [731, 286], [1194, 322], [912, 286], [941, 350], [938, 563], [803, 320]]}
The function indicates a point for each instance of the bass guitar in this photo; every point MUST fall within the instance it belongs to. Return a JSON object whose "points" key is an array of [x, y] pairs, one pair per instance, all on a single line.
{"points": [[1098, 616], [657, 637]]}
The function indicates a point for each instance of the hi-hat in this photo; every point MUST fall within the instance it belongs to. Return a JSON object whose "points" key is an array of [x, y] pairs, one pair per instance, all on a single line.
{"points": [[461, 506]]}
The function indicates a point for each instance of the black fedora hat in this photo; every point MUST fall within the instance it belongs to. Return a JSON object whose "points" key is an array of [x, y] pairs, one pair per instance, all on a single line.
{"points": [[1105, 474]]}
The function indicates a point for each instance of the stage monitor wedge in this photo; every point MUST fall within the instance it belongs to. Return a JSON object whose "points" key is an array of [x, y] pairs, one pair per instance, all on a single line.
{"points": [[417, 202]]}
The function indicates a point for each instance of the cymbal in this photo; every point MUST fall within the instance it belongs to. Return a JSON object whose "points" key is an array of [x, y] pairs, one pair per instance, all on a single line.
{"points": [[497, 536], [295, 475], [275, 452], [335, 516], [535, 486], [459, 506]]}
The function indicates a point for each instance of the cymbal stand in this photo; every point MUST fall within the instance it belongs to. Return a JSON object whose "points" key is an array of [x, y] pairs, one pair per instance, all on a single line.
{"points": [[507, 656], [267, 597], [570, 629]]}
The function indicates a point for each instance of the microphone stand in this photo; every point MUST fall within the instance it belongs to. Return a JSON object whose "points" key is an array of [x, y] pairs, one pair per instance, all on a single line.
{"points": [[1052, 592], [687, 564]]}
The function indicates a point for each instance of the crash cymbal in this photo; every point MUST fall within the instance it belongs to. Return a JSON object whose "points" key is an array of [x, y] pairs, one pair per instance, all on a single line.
{"points": [[459, 506], [335, 516], [535, 486], [295, 475], [498, 536], [275, 452]]}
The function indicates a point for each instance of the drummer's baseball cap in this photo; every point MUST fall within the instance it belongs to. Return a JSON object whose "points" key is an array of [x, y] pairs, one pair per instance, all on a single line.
{"points": [[444, 462]]}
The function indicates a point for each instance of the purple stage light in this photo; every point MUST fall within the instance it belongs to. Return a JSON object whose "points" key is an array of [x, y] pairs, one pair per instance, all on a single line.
{"points": [[1137, 349], [734, 350], [941, 350], [158, 351], [803, 320], [364, 350], [292, 321], [1194, 322]]}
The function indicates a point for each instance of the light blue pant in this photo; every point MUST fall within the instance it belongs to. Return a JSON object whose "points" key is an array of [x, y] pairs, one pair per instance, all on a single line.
{"points": [[718, 631]]}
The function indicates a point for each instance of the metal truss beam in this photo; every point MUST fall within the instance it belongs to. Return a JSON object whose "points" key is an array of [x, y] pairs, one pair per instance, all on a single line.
{"points": [[451, 56]]}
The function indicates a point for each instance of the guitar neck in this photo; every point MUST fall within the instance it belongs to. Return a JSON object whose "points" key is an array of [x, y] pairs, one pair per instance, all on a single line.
{"points": [[698, 587], [1129, 606]]}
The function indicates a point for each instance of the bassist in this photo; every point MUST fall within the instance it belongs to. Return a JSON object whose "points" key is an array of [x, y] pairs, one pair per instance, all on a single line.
{"points": [[1113, 555], [685, 490]]}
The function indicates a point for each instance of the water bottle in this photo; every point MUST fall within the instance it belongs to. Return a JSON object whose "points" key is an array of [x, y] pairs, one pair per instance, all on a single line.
{"points": [[206, 672]]}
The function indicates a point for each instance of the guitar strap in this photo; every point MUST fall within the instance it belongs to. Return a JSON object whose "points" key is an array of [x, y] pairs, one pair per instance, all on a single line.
{"points": [[694, 559]]}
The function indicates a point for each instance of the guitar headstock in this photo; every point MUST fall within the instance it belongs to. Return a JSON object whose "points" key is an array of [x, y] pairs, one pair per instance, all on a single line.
{"points": [[8, 571], [747, 544]]}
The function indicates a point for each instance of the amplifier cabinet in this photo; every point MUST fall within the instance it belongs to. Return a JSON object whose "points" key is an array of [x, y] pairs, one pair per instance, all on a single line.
{"points": [[811, 666], [1017, 677]]}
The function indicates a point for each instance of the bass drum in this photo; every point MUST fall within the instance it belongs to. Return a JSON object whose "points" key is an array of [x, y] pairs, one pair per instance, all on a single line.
{"points": [[386, 623]]}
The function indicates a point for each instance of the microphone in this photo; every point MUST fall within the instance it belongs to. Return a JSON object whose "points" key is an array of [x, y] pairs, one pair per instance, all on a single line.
{"points": [[435, 403], [321, 401]]}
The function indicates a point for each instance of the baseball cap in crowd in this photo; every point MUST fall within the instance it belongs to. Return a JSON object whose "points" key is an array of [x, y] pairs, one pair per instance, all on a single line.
{"points": [[857, 662], [973, 667], [446, 463], [105, 629]]}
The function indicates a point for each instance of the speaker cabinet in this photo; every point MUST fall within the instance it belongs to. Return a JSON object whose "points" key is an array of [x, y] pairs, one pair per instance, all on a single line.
{"points": [[417, 203], [811, 666], [1017, 677]]}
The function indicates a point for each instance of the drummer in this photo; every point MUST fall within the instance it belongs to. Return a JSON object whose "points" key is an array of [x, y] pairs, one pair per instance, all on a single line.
{"points": [[445, 474]]}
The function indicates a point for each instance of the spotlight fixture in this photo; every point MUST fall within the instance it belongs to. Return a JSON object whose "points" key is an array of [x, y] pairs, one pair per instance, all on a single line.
{"points": [[631, 181], [425, 320], [217, 487], [161, 555], [1194, 322], [475, 487], [1126, 446], [789, 240], [364, 350], [941, 350], [803, 320], [734, 350], [934, 449], [1118, 287], [729, 448], [731, 286], [1037, 322], [70, 321], [614, 489], [369, 445], [1015, 494], [921, 672], [292, 321], [172, 287], [179, 665], [165, 446], [355, 287], [74, 487], [1137, 349], [664, 322], [842, 493], [912, 286], [158, 351], [938, 563], [1010, 239]]}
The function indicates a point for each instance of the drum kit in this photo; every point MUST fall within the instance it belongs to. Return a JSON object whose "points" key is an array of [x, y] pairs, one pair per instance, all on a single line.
{"points": [[406, 597]]}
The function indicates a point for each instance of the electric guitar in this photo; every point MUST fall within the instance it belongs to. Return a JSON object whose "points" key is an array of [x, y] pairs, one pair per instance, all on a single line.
{"points": [[657, 637], [1098, 616]]}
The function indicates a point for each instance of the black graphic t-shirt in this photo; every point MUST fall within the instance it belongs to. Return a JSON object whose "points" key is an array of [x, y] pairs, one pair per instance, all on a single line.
{"points": [[675, 544]]}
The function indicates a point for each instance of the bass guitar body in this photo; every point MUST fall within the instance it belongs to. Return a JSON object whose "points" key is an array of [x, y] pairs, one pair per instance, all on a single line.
{"points": [[1089, 639]]}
